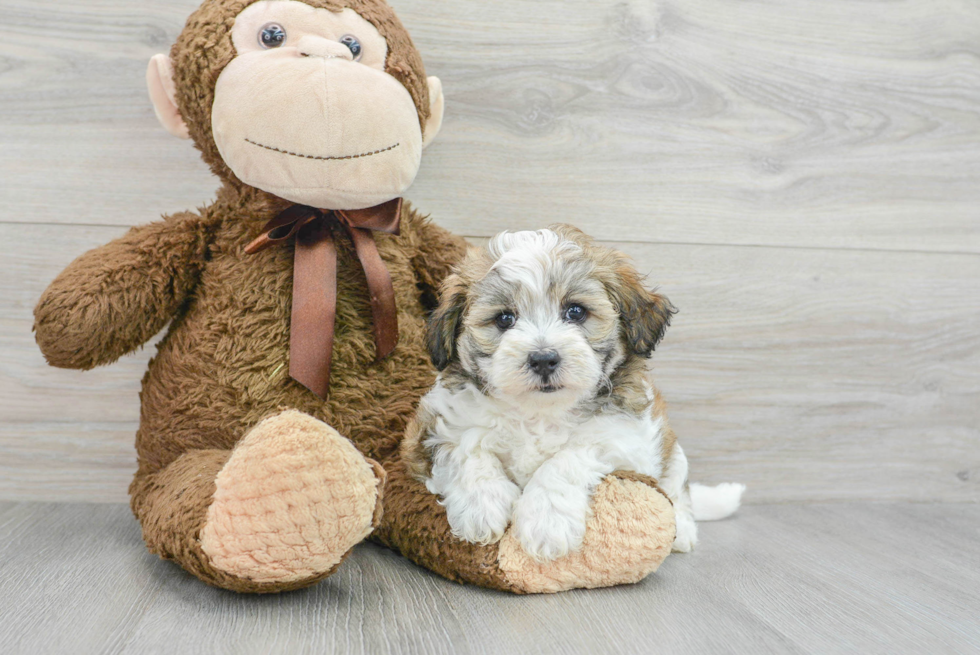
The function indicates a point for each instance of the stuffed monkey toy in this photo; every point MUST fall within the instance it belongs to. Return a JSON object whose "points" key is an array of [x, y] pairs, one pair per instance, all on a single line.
{"points": [[272, 413]]}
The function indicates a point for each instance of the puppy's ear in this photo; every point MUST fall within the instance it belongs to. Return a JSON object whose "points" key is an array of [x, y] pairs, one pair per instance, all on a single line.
{"points": [[446, 322], [645, 315]]}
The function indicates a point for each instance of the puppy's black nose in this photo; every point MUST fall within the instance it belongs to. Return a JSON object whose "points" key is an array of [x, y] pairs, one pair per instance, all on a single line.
{"points": [[544, 362]]}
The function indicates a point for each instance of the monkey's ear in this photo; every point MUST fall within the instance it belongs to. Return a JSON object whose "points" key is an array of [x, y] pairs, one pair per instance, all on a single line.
{"points": [[445, 323], [645, 315], [436, 106], [160, 83]]}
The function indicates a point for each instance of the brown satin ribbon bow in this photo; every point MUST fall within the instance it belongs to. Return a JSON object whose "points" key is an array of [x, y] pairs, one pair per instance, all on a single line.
{"points": [[315, 282]]}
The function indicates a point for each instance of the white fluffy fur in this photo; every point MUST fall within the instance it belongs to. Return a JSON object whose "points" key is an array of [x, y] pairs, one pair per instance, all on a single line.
{"points": [[713, 503], [494, 461], [508, 452]]}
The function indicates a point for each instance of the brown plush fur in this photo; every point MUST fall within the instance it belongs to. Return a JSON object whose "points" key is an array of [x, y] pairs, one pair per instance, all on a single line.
{"points": [[223, 366]]}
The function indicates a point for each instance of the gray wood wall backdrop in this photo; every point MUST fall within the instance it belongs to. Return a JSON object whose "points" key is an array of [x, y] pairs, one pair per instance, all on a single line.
{"points": [[802, 178]]}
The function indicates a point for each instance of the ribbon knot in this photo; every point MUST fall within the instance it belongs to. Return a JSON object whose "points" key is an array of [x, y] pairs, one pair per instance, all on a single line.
{"points": [[314, 307]]}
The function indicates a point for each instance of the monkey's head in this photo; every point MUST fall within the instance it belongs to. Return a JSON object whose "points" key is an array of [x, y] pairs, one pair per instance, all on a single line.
{"points": [[319, 102]]}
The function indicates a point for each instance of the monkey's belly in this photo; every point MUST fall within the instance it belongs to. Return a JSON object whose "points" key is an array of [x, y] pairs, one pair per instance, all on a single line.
{"points": [[225, 366]]}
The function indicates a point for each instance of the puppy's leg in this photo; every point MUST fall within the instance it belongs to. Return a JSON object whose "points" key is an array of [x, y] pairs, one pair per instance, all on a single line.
{"points": [[476, 492], [551, 514], [674, 483]]}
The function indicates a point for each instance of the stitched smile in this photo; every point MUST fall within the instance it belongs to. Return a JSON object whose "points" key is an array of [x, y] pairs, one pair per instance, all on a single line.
{"points": [[297, 154]]}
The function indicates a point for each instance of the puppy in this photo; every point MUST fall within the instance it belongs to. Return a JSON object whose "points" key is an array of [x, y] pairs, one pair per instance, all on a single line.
{"points": [[541, 338]]}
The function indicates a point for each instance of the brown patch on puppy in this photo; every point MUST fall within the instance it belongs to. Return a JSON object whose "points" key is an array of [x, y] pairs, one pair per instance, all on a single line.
{"points": [[645, 314], [660, 411], [445, 324], [413, 453]]}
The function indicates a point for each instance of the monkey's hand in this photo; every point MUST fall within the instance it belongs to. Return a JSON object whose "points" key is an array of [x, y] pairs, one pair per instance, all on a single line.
{"points": [[114, 298]]}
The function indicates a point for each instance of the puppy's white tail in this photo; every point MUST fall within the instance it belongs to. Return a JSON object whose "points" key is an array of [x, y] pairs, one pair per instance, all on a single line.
{"points": [[717, 502]]}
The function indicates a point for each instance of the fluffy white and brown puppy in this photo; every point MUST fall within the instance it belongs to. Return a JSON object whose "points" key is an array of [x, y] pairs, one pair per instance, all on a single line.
{"points": [[542, 338]]}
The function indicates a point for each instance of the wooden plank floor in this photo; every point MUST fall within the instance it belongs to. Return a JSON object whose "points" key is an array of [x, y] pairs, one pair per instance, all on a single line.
{"points": [[823, 578]]}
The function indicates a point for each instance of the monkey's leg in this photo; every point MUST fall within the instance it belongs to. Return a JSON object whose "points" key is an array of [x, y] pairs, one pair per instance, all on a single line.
{"points": [[279, 511], [628, 536]]}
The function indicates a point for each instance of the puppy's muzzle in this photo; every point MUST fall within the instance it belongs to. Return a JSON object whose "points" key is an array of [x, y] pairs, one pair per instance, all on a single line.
{"points": [[544, 363]]}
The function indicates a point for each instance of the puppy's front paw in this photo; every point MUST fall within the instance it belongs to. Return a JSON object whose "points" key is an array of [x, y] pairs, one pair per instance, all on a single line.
{"points": [[687, 532], [550, 525], [481, 513]]}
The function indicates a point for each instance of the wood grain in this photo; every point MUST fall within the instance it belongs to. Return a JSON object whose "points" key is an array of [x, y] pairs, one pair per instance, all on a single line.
{"points": [[824, 578], [803, 180], [806, 374], [832, 124]]}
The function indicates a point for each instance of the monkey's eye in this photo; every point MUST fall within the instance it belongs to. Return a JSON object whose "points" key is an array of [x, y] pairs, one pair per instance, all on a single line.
{"points": [[575, 313], [272, 35], [505, 320], [353, 44]]}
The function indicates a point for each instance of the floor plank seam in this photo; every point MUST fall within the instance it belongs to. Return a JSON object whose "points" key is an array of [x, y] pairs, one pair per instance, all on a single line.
{"points": [[769, 246]]}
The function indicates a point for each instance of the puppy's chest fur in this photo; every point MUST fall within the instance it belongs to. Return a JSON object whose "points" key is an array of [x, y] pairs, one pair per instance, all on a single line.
{"points": [[465, 420]]}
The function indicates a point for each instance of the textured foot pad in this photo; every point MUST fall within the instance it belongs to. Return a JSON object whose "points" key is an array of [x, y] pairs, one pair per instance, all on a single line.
{"points": [[293, 498], [628, 536]]}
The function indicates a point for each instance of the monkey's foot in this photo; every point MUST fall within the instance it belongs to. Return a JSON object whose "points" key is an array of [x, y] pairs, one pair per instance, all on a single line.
{"points": [[629, 535], [291, 502]]}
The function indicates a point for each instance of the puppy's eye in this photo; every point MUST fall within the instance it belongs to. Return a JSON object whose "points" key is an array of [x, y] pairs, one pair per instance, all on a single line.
{"points": [[575, 313], [505, 320], [352, 44], [272, 35]]}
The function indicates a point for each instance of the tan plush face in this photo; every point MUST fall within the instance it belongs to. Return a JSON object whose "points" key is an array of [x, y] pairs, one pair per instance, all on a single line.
{"points": [[306, 110], [304, 120]]}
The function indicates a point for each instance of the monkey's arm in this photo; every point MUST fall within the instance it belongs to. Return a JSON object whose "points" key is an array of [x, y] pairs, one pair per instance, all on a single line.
{"points": [[435, 252], [114, 298]]}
